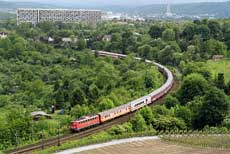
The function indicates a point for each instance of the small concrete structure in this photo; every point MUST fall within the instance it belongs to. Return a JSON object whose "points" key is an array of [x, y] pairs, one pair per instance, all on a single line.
{"points": [[50, 40], [3, 35], [68, 39], [217, 57], [107, 38], [38, 114]]}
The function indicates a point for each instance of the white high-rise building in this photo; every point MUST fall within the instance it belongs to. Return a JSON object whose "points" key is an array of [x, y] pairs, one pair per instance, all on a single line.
{"points": [[35, 16]]}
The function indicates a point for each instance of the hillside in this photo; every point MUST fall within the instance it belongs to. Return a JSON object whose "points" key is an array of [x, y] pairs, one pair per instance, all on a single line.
{"points": [[5, 15], [219, 9]]}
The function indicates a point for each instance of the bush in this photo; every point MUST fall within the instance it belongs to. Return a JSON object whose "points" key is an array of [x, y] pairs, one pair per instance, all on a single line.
{"points": [[168, 123], [171, 101], [138, 123]]}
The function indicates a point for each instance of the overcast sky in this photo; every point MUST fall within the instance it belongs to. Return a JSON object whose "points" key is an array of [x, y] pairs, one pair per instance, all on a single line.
{"points": [[116, 2]]}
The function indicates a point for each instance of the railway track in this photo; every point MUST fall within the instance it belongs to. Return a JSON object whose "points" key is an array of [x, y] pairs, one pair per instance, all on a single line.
{"points": [[59, 140], [68, 137], [56, 141]]}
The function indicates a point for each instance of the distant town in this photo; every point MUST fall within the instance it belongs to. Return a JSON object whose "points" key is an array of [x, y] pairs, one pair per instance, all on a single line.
{"points": [[90, 16], [167, 15]]}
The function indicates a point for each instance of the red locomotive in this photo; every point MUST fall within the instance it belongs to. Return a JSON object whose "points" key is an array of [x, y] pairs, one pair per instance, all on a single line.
{"points": [[85, 122]]}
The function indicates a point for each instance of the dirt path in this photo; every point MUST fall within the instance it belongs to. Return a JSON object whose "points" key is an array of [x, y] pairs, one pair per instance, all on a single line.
{"points": [[144, 145]]}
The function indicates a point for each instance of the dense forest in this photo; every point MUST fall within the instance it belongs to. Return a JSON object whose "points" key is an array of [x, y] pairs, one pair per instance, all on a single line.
{"points": [[35, 75], [39, 68]]}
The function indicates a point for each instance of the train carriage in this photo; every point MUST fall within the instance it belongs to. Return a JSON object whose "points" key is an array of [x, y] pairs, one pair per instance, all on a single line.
{"points": [[107, 115], [113, 55], [85, 122], [139, 103], [166, 87], [115, 112]]}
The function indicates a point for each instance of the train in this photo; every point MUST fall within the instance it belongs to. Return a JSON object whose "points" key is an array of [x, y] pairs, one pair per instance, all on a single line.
{"points": [[108, 115]]}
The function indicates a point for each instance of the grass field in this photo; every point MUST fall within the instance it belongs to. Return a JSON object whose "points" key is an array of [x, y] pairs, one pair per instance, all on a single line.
{"points": [[221, 66]]}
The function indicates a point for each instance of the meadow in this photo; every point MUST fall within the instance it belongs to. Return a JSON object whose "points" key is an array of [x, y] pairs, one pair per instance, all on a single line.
{"points": [[221, 66]]}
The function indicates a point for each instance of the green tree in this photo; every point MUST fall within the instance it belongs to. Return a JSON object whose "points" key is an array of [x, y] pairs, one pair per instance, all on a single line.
{"points": [[189, 32], [214, 47], [161, 110], [227, 88], [214, 109], [105, 104], [150, 79], [138, 123], [168, 56], [79, 111], [197, 67], [116, 43], [171, 101], [97, 45], [145, 51], [23, 29], [46, 26], [147, 114], [168, 35], [193, 85], [215, 29], [220, 82], [184, 113], [155, 31], [203, 31], [128, 41], [121, 129], [5, 44], [192, 54], [94, 92], [78, 97], [81, 44], [168, 123]]}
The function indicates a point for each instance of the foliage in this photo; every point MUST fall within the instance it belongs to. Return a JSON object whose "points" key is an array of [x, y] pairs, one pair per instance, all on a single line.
{"points": [[147, 114], [155, 31], [171, 101], [35, 74], [168, 35], [196, 67], [214, 109], [121, 129], [220, 66], [184, 113], [139, 123], [168, 123], [193, 85]]}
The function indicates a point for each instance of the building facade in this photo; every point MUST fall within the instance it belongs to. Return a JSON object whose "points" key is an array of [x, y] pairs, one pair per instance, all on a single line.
{"points": [[35, 16]]}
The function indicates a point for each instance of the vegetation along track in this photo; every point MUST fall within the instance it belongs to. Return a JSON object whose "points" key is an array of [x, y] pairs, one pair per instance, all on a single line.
{"points": [[61, 139]]}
